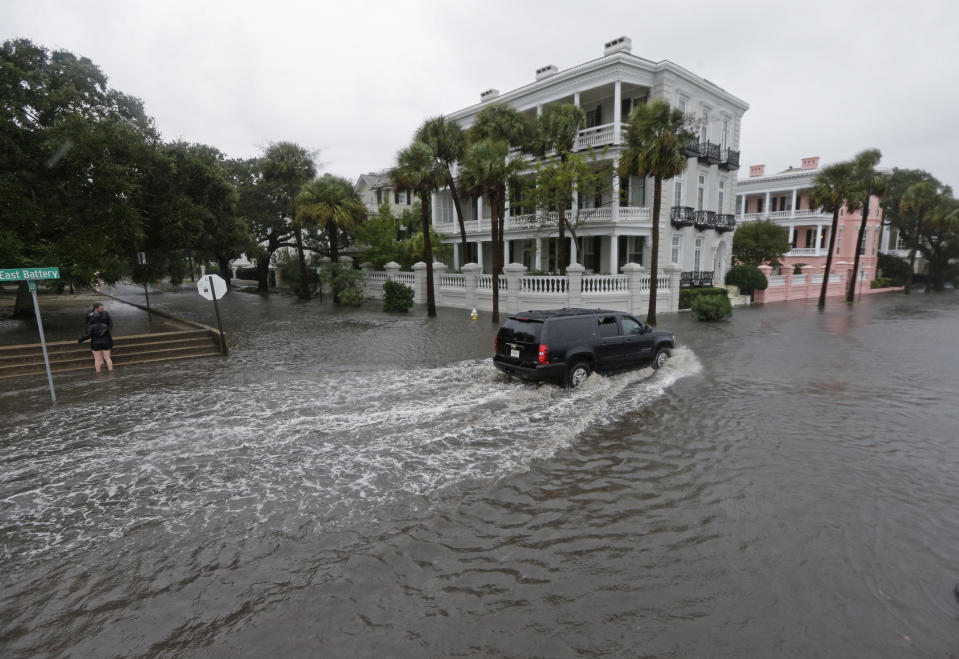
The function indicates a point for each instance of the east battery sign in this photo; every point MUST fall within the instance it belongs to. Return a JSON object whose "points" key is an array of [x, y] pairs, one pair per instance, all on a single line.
{"points": [[29, 274]]}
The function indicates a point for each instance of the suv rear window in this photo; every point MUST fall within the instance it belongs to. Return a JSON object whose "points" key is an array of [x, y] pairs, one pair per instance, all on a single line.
{"points": [[524, 330], [563, 331]]}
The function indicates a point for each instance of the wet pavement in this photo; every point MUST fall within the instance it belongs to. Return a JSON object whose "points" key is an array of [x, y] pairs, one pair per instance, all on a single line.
{"points": [[351, 483]]}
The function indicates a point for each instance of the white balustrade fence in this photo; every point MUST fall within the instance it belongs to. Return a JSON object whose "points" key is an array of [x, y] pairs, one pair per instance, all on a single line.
{"points": [[518, 291]]}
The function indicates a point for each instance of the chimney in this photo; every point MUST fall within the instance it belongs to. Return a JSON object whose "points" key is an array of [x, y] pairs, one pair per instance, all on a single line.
{"points": [[810, 163], [488, 95], [546, 71], [620, 44], [756, 170]]}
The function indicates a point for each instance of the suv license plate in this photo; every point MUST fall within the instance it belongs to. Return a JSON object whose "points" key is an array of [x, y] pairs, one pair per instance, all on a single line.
{"points": [[514, 353]]}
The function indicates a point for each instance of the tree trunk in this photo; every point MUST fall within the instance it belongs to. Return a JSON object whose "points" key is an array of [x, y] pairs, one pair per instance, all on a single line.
{"points": [[263, 274], [304, 292], [851, 293], [225, 270], [428, 254], [331, 234], [464, 246], [497, 257], [654, 257], [23, 305], [832, 248]]}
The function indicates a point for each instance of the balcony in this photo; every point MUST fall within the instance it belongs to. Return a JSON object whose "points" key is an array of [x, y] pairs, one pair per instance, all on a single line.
{"points": [[681, 216], [725, 222], [729, 159], [691, 150], [708, 152], [704, 220]]}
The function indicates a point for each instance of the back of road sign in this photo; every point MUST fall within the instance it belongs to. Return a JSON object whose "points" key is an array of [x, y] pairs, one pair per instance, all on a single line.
{"points": [[210, 284]]}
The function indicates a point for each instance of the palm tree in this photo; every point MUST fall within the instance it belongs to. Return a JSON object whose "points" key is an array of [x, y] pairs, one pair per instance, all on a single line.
{"points": [[419, 169], [290, 166], [487, 170], [656, 134], [331, 203], [918, 202], [557, 129], [870, 182], [448, 142], [830, 191]]}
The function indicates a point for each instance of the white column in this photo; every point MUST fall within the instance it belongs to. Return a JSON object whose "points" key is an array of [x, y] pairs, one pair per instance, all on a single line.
{"points": [[617, 111], [538, 263], [615, 205], [819, 238], [792, 234], [572, 251], [479, 254], [576, 99], [766, 206], [479, 208], [614, 254], [794, 202], [456, 256], [433, 208]]}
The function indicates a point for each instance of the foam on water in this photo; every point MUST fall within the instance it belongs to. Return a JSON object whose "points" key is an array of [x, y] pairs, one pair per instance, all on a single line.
{"points": [[301, 456]]}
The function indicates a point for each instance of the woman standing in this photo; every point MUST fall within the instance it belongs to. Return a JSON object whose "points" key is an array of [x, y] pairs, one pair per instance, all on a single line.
{"points": [[99, 326]]}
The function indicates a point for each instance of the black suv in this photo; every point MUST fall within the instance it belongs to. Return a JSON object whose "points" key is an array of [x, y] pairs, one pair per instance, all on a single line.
{"points": [[566, 345]]}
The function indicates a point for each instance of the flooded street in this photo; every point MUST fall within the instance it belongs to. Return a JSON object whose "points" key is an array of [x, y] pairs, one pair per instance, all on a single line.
{"points": [[351, 483]]}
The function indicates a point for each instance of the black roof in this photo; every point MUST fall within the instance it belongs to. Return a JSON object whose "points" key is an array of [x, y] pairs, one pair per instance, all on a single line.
{"points": [[543, 314]]}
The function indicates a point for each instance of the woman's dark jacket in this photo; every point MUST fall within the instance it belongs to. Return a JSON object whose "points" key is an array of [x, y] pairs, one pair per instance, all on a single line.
{"points": [[99, 326]]}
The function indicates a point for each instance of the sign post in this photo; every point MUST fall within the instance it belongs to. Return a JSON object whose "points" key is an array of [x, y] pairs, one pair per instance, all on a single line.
{"points": [[212, 287], [32, 276], [142, 260]]}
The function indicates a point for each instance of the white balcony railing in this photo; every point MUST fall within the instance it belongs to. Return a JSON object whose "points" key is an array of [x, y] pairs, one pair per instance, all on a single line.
{"points": [[606, 284], [807, 251]]}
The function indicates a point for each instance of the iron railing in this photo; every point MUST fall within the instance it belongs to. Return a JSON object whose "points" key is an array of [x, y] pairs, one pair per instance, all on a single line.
{"points": [[695, 279], [681, 216]]}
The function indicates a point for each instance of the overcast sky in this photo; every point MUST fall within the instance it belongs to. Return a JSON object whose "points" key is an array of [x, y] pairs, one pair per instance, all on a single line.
{"points": [[354, 79]]}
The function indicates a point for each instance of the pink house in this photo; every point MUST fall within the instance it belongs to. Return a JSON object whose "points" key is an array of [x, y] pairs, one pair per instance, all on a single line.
{"points": [[784, 199]]}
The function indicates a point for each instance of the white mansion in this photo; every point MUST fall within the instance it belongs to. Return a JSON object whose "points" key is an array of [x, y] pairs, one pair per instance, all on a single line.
{"points": [[614, 226]]}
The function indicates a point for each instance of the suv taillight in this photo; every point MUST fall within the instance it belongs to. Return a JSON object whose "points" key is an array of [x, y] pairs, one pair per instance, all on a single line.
{"points": [[543, 354], [496, 346]]}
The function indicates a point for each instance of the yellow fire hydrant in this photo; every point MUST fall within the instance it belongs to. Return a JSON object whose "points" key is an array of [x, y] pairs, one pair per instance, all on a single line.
{"points": [[474, 315]]}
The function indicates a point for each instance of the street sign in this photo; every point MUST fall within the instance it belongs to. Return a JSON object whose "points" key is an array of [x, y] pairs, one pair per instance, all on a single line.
{"points": [[210, 285], [142, 258], [29, 274]]}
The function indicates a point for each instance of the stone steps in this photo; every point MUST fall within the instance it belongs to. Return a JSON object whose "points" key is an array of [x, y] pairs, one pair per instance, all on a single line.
{"points": [[135, 349]]}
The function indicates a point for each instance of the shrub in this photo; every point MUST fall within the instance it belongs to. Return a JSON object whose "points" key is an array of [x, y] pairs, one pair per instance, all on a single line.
{"points": [[893, 267], [687, 295], [749, 278], [883, 282], [246, 273], [349, 285], [397, 296], [712, 307]]}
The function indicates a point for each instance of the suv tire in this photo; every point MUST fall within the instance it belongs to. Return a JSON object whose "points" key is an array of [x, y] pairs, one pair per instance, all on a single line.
{"points": [[578, 373], [662, 355]]}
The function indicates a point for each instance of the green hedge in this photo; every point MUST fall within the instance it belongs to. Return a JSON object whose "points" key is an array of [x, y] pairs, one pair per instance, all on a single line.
{"points": [[687, 295], [712, 307], [884, 282], [749, 278], [246, 273], [397, 296]]}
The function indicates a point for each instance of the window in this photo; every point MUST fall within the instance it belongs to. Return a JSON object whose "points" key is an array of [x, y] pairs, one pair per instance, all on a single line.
{"points": [[810, 238], [631, 249], [608, 326], [682, 103], [401, 197], [701, 191], [631, 325], [678, 196], [677, 245], [862, 245], [839, 240], [637, 191], [698, 255], [772, 205], [725, 136], [704, 126], [759, 205], [594, 117], [722, 196]]}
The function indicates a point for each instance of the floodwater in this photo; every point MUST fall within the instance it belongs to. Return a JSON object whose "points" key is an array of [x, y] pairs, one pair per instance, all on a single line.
{"points": [[348, 483]]}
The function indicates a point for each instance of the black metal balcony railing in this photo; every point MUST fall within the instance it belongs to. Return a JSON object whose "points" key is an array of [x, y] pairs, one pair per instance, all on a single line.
{"points": [[705, 220], [681, 216], [729, 159], [691, 150], [695, 279], [709, 152], [725, 222]]}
